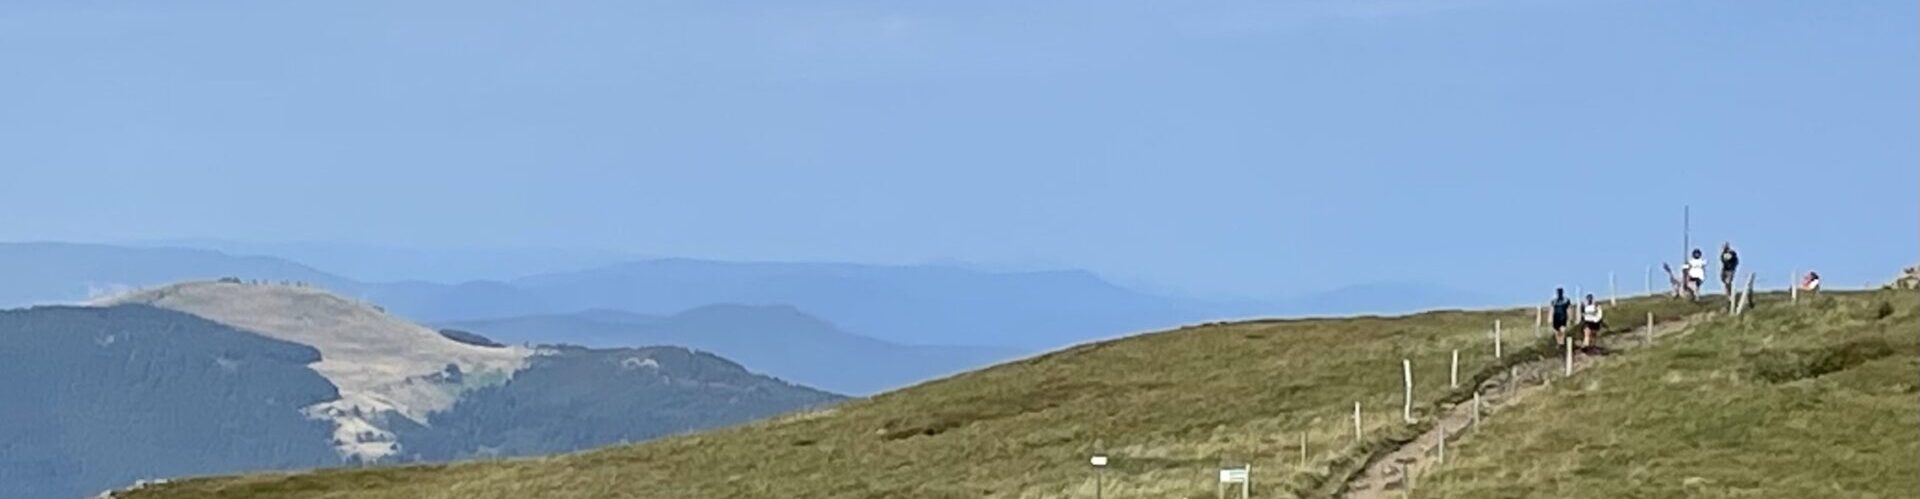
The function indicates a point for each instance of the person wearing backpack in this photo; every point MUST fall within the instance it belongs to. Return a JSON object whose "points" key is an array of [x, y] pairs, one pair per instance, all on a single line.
{"points": [[1696, 270], [1729, 266]]}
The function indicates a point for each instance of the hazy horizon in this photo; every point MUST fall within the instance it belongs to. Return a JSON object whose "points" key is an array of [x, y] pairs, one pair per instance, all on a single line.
{"points": [[1247, 150]]}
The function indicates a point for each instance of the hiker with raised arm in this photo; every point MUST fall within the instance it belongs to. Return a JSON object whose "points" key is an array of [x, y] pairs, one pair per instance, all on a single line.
{"points": [[1561, 306], [1591, 318], [1696, 270], [1729, 265]]}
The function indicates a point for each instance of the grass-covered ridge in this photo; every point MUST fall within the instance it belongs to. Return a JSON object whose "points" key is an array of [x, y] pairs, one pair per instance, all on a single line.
{"points": [[1808, 400], [1170, 407]]}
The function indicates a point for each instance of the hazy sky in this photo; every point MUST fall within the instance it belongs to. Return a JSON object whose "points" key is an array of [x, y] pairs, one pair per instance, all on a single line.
{"points": [[1261, 148]]}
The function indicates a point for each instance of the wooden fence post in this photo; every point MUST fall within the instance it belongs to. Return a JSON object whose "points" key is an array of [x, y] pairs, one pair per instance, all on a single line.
{"points": [[1648, 338], [1476, 408], [1356, 423], [1538, 311], [1569, 357], [1496, 339], [1613, 292], [1746, 298], [1303, 450], [1453, 375], [1733, 300], [1406, 369], [1443, 442], [1246, 487]]}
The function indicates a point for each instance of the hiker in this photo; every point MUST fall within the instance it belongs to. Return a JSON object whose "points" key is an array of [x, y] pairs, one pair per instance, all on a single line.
{"points": [[1729, 265], [1812, 282], [1696, 270], [1560, 308], [1591, 318]]}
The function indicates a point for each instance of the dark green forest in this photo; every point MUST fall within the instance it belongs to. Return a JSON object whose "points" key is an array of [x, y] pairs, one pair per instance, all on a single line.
{"points": [[94, 398]]}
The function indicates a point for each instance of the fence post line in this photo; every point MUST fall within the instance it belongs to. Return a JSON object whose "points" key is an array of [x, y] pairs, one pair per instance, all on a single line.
{"points": [[1406, 370], [1453, 375]]}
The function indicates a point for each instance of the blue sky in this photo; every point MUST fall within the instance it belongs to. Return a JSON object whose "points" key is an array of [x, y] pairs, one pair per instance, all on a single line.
{"points": [[1247, 148]]}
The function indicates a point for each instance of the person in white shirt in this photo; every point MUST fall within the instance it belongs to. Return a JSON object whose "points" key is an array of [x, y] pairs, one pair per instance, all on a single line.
{"points": [[1696, 273], [1591, 318]]}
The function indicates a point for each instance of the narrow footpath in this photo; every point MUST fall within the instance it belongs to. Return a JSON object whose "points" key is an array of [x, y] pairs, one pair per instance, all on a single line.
{"points": [[1389, 473]]}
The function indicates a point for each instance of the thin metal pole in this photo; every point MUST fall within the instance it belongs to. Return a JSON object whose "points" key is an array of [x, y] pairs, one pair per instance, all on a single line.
{"points": [[1099, 482]]}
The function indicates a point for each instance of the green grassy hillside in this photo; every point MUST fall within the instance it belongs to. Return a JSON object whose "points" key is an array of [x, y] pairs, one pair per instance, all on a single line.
{"points": [[1170, 407], [1810, 400]]}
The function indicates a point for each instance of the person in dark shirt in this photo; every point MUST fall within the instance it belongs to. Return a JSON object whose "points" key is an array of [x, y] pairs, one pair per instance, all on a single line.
{"points": [[1561, 307], [1729, 265]]}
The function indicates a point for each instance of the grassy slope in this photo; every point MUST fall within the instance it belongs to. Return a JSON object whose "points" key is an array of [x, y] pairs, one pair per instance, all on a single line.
{"points": [[1170, 407], [1815, 400]]}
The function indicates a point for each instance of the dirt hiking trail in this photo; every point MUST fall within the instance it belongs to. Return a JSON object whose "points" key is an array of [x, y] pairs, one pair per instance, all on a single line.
{"points": [[1388, 474]]}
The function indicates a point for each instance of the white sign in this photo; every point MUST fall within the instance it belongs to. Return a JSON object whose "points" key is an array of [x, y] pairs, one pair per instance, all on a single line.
{"points": [[1235, 475], [1099, 460]]}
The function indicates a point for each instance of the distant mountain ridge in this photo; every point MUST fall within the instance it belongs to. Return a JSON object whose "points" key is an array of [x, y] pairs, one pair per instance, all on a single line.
{"points": [[777, 340], [903, 304], [382, 365], [216, 377], [937, 304]]}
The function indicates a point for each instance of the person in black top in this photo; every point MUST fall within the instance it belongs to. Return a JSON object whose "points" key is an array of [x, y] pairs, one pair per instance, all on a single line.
{"points": [[1729, 265], [1561, 306]]}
